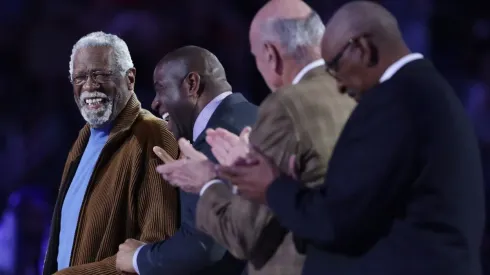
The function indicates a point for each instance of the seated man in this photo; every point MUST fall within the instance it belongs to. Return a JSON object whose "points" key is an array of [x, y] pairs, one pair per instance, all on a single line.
{"points": [[110, 190]]}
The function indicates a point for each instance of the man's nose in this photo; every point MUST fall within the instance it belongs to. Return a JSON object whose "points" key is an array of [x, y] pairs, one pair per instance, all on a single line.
{"points": [[90, 84]]}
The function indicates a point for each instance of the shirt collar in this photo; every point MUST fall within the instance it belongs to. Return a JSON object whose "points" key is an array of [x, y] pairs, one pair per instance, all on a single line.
{"points": [[398, 65], [307, 68], [206, 113]]}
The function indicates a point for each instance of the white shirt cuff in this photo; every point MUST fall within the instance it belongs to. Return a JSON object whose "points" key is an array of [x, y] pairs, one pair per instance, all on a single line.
{"points": [[135, 259], [206, 186]]}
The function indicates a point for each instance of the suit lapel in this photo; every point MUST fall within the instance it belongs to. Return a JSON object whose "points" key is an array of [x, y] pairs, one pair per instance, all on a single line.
{"points": [[219, 116]]}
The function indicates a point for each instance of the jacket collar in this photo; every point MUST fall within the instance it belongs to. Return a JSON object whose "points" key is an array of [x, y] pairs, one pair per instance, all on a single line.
{"points": [[221, 116]]}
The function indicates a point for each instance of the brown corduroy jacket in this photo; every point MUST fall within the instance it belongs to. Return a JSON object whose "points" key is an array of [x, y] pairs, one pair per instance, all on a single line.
{"points": [[125, 198], [303, 120]]}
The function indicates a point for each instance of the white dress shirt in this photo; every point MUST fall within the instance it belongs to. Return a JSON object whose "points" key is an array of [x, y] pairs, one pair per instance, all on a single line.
{"points": [[206, 113], [199, 126], [315, 64], [395, 67]]}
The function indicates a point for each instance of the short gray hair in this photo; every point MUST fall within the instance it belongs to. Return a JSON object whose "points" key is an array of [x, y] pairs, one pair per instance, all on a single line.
{"points": [[293, 33], [120, 51]]}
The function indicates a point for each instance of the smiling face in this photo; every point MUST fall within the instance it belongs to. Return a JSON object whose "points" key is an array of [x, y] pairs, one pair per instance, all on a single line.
{"points": [[100, 91], [176, 100]]}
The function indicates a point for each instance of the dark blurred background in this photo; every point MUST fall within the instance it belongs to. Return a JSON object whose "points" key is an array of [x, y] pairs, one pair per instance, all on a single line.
{"points": [[39, 120]]}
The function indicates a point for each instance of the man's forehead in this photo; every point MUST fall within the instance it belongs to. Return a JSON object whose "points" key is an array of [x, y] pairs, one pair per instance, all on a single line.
{"points": [[162, 73], [93, 57], [336, 35]]}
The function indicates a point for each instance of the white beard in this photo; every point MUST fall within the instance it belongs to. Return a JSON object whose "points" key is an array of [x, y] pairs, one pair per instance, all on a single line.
{"points": [[96, 117]]}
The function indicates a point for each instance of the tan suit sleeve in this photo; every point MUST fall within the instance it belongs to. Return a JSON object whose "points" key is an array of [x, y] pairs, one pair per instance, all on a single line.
{"points": [[232, 221]]}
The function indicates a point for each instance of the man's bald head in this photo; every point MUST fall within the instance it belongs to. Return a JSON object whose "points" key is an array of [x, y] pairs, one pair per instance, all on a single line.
{"points": [[292, 24], [363, 18], [285, 36], [361, 41], [185, 60]]}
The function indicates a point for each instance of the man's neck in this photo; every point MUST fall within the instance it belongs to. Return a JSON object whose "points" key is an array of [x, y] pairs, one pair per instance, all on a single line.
{"points": [[392, 56], [206, 97]]}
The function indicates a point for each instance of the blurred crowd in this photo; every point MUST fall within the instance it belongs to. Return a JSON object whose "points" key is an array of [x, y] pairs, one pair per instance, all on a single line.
{"points": [[40, 121]]}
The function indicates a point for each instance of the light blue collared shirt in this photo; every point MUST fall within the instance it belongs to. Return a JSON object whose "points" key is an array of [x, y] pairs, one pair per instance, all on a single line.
{"points": [[74, 197]]}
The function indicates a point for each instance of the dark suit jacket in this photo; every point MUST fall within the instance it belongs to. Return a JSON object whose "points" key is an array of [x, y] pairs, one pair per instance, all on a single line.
{"points": [[404, 189], [190, 251]]}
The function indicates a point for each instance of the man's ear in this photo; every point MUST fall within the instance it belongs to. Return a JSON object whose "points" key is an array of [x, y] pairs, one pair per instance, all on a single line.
{"points": [[193, 82], [131, 78], [368, 52], [273, 58]]}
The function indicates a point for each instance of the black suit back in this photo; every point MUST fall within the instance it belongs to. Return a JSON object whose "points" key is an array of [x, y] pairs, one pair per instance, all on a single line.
{"points": [[433, 221]]}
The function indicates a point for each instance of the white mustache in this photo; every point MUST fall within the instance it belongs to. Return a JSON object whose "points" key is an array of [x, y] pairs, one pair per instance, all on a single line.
{"points": [[86, 95]]}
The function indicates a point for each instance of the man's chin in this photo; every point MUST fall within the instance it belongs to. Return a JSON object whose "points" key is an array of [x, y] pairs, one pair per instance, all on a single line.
{"points": [[97, 120]]}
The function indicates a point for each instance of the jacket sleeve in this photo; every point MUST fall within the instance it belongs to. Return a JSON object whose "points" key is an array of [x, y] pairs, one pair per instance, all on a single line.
{"points": [[367, 175], [233, 221], [155, 202], [188, 251]]}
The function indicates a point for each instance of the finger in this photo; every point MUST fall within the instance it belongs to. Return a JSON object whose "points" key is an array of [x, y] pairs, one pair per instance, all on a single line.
{"points": [[227, 136], [226, 176], [171, 167], [246, 161], [189, 151], [182, 177], [221, 155], [185, 183], [171, 180], [245, 134], [255, 155], [211, 140], [132, 241], [292, 167], [225, 171], [123, 247], [224, 132], [226, 143], [234, 171], [163, 155], [240, 151], [210, 132]]}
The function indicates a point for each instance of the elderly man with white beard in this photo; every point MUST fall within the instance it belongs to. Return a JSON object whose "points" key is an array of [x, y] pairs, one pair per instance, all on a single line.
{"points": [[110, 190]]}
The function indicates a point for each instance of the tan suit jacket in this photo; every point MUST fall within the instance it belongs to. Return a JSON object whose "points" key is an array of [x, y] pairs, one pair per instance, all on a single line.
{"points": [[303, 119]]}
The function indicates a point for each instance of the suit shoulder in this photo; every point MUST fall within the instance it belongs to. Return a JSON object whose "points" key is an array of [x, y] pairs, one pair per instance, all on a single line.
{"points": [[315, 92], [151, 131]]}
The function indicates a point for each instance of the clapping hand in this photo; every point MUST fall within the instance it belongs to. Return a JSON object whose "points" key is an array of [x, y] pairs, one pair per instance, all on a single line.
{"points": [[190, 172], [253, 176], [228, 147]]}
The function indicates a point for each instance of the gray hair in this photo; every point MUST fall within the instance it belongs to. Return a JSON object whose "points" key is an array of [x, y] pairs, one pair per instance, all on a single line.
{"points": [[295, 33], [120, 51]]}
